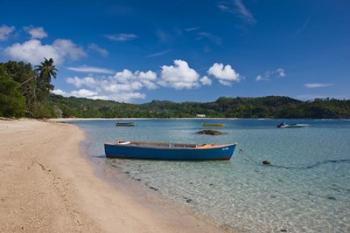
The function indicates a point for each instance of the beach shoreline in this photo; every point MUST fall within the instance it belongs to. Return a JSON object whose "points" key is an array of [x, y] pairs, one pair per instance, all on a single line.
{"points": [[48, 186]]}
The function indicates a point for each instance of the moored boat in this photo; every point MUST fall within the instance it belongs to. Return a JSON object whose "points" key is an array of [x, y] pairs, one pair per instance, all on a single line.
{"points": [[284, 125], [126, 124], [213, 125], [168, 151]]}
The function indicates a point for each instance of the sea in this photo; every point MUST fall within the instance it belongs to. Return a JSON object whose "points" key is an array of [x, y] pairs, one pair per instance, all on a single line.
{"points": [[305, 189]]}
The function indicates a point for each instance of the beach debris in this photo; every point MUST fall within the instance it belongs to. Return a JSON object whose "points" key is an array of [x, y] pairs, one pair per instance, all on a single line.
{"points": [[283, 230], [210, 132], [266, 162], [331, 198]]}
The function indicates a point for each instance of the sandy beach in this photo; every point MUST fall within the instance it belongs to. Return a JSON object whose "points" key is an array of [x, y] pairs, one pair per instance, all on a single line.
{"points": [[46, 185]]}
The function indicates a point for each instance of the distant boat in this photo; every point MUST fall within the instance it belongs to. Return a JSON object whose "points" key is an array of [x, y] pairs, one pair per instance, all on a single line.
{"points": [[284, 125], [213, 124], [125, 124], [168, 151]]}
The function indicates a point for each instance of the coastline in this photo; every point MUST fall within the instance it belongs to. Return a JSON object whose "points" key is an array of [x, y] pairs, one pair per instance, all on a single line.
{"points": [[48, 186], [189, 118]]}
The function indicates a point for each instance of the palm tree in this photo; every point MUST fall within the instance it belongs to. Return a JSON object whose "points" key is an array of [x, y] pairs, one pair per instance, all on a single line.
{"points": [[45, 72]]}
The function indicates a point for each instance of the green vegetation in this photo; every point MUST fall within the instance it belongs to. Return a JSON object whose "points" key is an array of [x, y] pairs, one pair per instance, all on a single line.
{"points": [[25, 91], [261, 107]]}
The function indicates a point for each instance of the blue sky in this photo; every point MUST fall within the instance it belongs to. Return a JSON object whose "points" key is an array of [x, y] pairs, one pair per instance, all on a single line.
{"points": [[137, 51]]}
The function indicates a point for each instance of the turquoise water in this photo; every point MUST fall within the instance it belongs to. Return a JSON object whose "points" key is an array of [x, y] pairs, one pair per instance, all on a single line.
{"points": [[306, 190]]}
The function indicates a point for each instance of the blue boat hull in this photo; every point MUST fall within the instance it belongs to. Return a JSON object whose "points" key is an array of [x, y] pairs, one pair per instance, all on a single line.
{"points": [[132, 152]]}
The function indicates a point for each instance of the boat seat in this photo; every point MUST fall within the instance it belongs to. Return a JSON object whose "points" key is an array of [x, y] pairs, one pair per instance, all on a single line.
{"points": [[204, 146], [124, 143]]}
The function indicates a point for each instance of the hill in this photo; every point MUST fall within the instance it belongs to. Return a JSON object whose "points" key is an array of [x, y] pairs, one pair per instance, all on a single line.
{"points": [[258, 107]]}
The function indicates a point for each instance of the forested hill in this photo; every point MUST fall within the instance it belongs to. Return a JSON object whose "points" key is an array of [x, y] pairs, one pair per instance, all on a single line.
{"points": [[259, 107]]}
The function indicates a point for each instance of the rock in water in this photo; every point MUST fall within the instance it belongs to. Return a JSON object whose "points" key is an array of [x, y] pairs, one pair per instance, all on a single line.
{"points": [[210, 132], [266, 162]]}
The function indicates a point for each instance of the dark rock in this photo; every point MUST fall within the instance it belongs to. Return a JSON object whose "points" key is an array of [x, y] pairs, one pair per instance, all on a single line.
{"points": [[153, 188], [210, 132], [211, 184], [138, 179], [266, 162], [331, 198], [283, 230], [188, 200]]}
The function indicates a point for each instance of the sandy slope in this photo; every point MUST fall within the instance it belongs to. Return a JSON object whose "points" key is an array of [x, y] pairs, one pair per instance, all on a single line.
{"points": [[47, 186]]}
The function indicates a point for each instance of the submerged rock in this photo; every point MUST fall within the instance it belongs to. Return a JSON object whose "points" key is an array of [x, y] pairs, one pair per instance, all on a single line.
{"points": [[266, 162], [210, 132], [331, 198]]}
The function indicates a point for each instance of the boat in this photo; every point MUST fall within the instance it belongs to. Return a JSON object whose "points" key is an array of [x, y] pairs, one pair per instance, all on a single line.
{"points": [[213, 125], [126, 124], [168, 151], [283, 125]]}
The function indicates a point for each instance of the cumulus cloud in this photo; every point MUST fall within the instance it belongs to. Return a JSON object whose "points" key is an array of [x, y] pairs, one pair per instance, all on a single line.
{"points": [[80, 82], [121, 37], [90, 69], [317, 85], [36, 32], [101, 51], [34, 51], [205, 81], [277, 73], [179, 76], [5, 31], [225, 74], [124, 86], [84, 93]]}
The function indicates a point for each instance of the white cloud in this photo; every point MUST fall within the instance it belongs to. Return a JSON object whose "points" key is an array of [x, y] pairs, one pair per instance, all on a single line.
{"points": [[59, 92], [90, 69], [157, 54], [205, 81], [101, 51], [36, 32], [84, 93], [138, 78], [121, 37], [238, 8], [123, 86], [5, 31], [277, 73], [280, 72], [317, 85], [190, 29], [179, 76], [244, 11], [80, 82], [34, 51], [224, 73]]}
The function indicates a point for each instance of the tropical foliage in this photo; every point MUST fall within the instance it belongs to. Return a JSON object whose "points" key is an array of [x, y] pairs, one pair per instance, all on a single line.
{"points": [[24, 91]]}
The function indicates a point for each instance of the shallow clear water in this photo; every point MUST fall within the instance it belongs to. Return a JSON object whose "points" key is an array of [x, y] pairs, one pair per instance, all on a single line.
{"points": [[306, 190]]}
